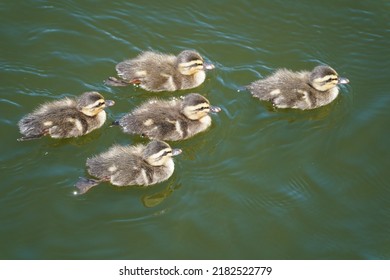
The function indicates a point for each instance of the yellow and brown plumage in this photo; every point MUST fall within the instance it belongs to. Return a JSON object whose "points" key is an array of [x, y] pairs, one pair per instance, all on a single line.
{"points": [[155, 71], [65, 118], [141, 165], [170, 120], [300, 90]]}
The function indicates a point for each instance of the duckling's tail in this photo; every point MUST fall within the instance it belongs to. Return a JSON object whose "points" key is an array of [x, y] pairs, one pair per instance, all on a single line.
{"points": [[112, 81], [83, 185], [30, 137], [115, 123], [242, 88]]}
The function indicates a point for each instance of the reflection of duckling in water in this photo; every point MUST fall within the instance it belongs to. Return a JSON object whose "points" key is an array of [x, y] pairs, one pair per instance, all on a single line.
{"points": [[175, 119], [65, 118], [130, 165], [301, 90], [154, 71]]}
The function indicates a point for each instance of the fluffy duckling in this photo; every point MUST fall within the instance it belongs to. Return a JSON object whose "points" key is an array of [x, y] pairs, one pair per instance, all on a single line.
{"points": [[154, 71], [130, 165], [300, 90], [66, 117], [175, 119]]}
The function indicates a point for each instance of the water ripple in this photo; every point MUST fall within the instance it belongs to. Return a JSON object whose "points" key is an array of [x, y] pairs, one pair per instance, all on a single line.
{"points": [[310, 184], [23, 69]]}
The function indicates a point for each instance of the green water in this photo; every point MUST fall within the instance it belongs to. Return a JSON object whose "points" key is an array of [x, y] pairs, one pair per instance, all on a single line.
{"points": [[259, 184]]}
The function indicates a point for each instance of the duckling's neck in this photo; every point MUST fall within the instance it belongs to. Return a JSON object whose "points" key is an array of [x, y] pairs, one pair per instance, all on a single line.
{"points": [[333, 93], [199, 77], [206, 120], [101, 117], [194, 80], [325, 97], [310, 85], [164, 171], [160, 172], [169, 164]]}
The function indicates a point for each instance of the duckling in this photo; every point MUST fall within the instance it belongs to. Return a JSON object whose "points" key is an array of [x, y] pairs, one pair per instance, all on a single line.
{"points": [[174, 119], [66, 117], [300, 90], [154, 71], [130, 165]]}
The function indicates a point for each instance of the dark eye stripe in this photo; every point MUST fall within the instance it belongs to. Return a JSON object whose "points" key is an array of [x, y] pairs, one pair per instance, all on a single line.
{"points": [[195, 65], [166, 153], [99, 104]]}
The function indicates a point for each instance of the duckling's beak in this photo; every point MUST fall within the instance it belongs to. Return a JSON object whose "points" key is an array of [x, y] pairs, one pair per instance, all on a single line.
{"points": [[215, 109], [109, 103], [208, 66], [176, 152], [343, 80]]}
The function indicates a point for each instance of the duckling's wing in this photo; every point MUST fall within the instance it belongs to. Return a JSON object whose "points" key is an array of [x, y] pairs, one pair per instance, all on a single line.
{"points": [[156, 119], [59, 119], [65, 123], [65, 129], [132, 172], [269, 87], [99, 165], [153, 124], [153, 71], [289, 89], [161, 74], [136, 69], [279, 83], [118, 165]]}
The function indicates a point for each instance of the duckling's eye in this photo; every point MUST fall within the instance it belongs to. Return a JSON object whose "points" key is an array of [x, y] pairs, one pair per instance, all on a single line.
{"points": [[100, 104], [203, 108], [330, 80], [196, 64], [166, 153]]}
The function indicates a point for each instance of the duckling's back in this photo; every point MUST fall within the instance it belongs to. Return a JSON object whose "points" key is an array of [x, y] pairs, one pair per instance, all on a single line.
{"points": [[285, 89], [282, 81], [59, 119], [157, 119], [124, 166], [52, 118], [116, 165], [153, 71]]}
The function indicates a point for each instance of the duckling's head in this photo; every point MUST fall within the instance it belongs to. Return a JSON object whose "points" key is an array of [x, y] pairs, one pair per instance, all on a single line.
{"points": [[92, 103], [157, 153], [324, 78], [191, 62], [195, 106]]}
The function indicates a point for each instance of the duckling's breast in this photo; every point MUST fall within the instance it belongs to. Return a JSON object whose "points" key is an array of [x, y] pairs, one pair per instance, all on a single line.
{"points": [[196, 126], [333, 93], [205, 122], [199, 77], [164, 172], [193, 81], [154, 174], [97, 121]]}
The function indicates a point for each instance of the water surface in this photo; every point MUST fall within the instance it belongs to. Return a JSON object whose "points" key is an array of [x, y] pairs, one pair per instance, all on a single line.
{"points": [[259, 184]]}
